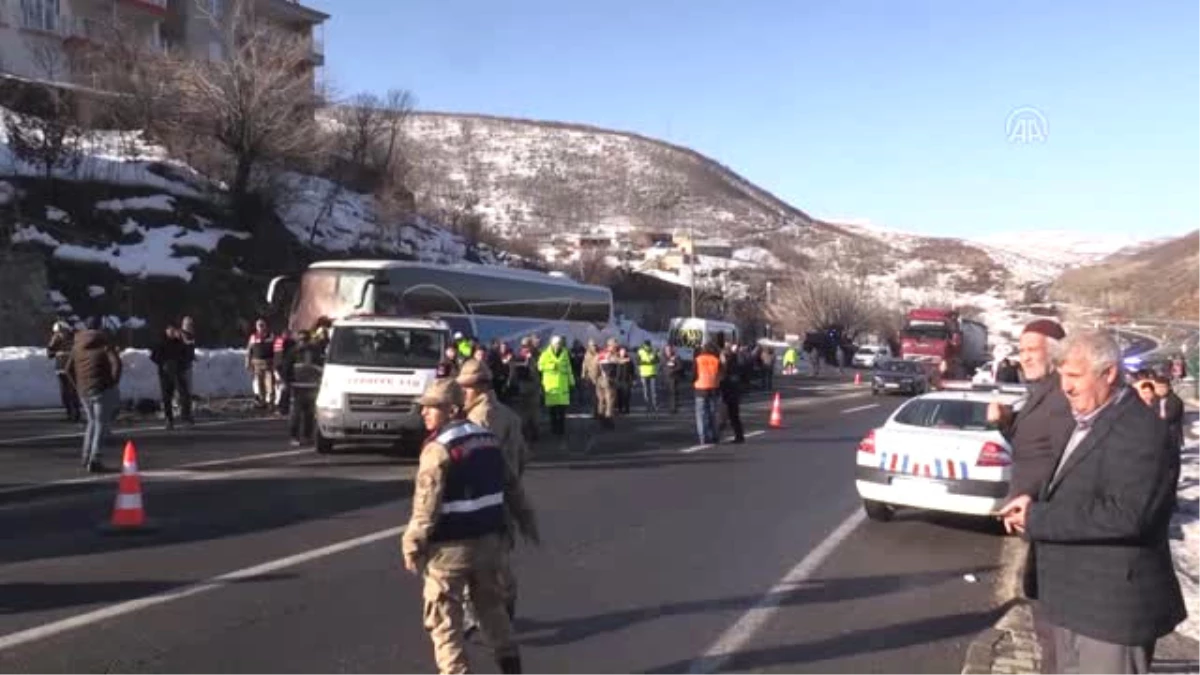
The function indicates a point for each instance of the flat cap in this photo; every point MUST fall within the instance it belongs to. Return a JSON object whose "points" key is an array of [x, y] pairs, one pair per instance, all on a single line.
{"points": [[441, 392], [473, 372], [1048, 327]]}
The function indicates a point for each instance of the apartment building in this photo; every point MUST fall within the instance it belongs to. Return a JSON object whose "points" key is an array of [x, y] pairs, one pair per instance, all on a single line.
{"points": [[40, 39]]}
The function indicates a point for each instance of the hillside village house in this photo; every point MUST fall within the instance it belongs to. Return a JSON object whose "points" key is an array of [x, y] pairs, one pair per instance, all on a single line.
{"points": [[38, 38]]}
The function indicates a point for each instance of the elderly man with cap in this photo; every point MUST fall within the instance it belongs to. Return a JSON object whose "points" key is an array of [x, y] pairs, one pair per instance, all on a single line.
{"points": [[456, 536], [1038, 431]]}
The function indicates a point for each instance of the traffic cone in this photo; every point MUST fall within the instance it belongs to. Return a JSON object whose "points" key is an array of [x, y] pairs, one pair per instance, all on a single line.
{"points": [[129, 515], [858, 378], [776, 421]]}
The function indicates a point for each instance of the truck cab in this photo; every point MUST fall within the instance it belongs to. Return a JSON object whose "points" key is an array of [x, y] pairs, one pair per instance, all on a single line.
{"points": [[376, 367]]}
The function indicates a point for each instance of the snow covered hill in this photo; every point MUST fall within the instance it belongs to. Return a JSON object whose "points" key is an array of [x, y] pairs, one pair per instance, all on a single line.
{"points": [[530, 179], [133, 234]]}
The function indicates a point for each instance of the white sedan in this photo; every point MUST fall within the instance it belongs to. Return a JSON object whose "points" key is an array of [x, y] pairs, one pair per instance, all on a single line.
{"points": [[937, 452]]}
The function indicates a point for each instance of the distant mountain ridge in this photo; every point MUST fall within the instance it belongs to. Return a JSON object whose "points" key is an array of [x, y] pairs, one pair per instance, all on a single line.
{"points": [[530, 179]]}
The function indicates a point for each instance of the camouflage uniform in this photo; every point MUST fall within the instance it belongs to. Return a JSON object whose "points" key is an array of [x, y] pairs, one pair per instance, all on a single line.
{"points": [[462, 549]]}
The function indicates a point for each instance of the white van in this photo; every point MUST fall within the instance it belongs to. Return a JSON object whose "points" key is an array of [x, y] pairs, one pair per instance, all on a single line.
{"points": [[869, 356], [688, 334], [376, 367]]}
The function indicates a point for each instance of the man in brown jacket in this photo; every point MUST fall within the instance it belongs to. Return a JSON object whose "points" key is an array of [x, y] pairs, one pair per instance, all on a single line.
{"points": [[482, 407], [96, 367], [1038, 432]]}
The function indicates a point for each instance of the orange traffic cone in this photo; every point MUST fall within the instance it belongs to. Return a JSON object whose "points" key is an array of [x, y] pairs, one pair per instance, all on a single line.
{"points": [[776, 420], [128, 514], [858, 378]]}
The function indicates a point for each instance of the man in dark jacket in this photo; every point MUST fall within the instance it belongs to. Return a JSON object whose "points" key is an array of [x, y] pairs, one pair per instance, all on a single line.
{"points": [[1170, 410], [1037, 432], [173, 357], [672, 377], [59, 350], [1100, 526], [301, 370], [732, 376], [96, 367]]}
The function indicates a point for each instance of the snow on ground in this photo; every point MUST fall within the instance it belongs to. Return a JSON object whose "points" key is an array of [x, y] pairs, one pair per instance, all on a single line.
{"points": [[26, 234], [219, 372], [95, 291], [1187, 549], [56, 214], [349, 221], [154, 255], [151, 203], [108, 156]]}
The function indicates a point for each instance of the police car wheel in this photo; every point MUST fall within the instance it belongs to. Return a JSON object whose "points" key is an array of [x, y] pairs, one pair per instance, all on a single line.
{"points": [[878, 510], [324, 445]]}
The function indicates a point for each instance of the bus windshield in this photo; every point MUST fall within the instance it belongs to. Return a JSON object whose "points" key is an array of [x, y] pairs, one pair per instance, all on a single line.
{"points": [[328, 293], [386, 347]]}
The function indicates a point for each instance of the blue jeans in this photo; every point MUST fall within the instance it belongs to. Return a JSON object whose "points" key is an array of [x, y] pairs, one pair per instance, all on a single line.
{"points": [[706, 415], [99, 409], [650, 392]]}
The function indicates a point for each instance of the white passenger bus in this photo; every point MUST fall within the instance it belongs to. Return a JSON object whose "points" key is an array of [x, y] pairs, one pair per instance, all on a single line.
{"points": [[483, 301]]}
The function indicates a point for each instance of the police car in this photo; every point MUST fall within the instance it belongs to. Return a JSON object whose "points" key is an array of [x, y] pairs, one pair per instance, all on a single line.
{"points": [[938, 452]]}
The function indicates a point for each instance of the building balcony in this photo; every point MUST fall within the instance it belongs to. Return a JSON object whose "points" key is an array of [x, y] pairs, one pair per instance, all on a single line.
{"points": [[156, 6]]}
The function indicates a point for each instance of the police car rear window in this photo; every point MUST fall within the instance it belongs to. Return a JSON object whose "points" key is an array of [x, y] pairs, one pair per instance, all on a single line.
{"points": [[945, 414]]}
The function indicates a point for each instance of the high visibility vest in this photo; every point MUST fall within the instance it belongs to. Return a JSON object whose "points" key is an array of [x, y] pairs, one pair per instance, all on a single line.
{"points": [[647, 362], [473, 496], [708, 372]]}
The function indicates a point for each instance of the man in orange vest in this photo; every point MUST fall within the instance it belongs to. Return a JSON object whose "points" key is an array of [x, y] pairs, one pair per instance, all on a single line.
{"points": [[707, 388]]}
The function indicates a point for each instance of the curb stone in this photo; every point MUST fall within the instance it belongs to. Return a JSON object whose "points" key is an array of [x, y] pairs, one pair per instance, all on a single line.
{"points": [[1010, 647]]}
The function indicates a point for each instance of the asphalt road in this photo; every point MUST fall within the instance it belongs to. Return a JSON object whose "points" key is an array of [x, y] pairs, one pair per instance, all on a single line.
{"points": [[659, 556]]}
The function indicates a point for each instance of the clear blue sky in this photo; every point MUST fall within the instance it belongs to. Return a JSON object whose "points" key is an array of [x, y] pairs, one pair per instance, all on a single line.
{"points": [[887, 110]]}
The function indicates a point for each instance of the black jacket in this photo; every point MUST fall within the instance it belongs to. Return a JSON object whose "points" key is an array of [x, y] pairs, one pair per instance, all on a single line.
{"points": [[172, 355], [1101, 563], [1038, 433], [1173, 405], [302, 366]]}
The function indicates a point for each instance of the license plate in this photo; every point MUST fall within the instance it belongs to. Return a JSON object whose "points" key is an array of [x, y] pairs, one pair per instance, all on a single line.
{"points": [[891, 385], [917, 485], [376, 426]]}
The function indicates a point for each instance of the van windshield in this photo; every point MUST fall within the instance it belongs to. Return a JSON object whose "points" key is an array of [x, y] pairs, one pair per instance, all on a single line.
{"points": [[386, 347]]}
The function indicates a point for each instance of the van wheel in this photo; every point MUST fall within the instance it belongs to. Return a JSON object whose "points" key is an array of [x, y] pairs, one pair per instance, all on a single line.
{"points": [[324, 445], [878, 510]]}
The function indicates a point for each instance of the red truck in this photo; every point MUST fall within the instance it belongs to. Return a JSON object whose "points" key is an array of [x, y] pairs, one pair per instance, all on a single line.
{"points": [[936, 335]]}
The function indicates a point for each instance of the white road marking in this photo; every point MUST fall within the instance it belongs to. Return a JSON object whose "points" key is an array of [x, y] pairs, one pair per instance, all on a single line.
{"points": [[174, 472], [128, 607], [740, 633], [704, 446], [133, 431], [860, 408]]}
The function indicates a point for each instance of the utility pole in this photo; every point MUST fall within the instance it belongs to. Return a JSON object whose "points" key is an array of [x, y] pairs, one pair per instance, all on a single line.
{"points": [[692, 260]]}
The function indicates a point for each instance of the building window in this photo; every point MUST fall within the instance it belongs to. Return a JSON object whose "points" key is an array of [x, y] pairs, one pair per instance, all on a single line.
{"points": [[40, 15]]}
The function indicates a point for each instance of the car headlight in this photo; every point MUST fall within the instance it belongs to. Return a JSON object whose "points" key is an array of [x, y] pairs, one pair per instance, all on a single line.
{"points": [[329, 397]]}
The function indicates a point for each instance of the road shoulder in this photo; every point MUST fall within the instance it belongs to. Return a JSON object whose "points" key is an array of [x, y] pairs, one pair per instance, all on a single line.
{"points": [[1010, 646]]}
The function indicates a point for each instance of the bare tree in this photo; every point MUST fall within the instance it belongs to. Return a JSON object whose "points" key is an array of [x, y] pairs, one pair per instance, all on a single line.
{"points": [[51, 137], [257, 103], [823, 302]]}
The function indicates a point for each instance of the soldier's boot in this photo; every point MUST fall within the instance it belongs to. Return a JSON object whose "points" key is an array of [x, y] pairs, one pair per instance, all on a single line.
{"points": [[510, 664]]}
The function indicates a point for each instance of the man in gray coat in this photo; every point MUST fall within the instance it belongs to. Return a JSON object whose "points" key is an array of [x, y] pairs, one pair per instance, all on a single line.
{"points": [[1100, 526]]}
